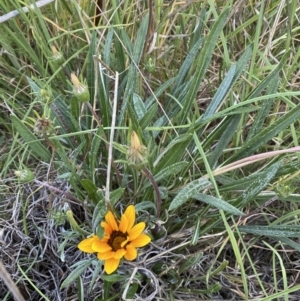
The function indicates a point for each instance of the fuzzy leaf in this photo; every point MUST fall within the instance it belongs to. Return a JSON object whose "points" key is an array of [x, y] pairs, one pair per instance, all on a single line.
{"points": [[257, 185], [276, 231], [218, 203], [76, 273], [189, 191]]}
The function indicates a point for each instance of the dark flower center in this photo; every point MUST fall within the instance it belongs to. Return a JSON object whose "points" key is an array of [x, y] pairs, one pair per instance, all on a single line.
{"points": [[116, 239]]}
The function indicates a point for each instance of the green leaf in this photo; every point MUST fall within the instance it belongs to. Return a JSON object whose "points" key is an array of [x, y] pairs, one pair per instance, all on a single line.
{"points": [[62, 153], [288, 242], [90, 70], [114, 278], [93, 153], [220, 94], [189, 191], [144, 205], [76, 273], [202, 63], [98, 216], [190, 261], [186, 65], [218, 203], [228, 184], [139, 106], [173, 152], [161, 89], [107, 52], [38, 149], [232, 75], [196, 233], [266, 134], [91, 189], [228, 130], [276, 231], [169, 171], [196, 35], [114, 195], [270, 78], [263, 113], [96, 273], [257, 185], [132, 290], [80, 290], [133, 74], [148, 117]]}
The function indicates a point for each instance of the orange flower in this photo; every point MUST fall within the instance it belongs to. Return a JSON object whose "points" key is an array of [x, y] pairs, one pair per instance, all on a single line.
{"points": [[121, 238]]}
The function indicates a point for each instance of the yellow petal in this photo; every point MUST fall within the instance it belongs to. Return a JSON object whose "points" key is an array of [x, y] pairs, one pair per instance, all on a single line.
{"points": [[86, 244], [110, 219], [105, 239], [136, 231], [124, 242], [140, 241], [123, 224], [130, 215], [107, 228], [111, 265], [106, 255], [101, 247], [131, 253], [119, 254]]}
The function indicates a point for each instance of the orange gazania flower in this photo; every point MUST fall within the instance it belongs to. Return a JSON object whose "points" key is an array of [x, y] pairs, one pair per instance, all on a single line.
{"points": [[121, 238]]}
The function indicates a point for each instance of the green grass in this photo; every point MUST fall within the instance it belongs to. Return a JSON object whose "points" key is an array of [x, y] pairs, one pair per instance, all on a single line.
{"points": [[211, 90]]}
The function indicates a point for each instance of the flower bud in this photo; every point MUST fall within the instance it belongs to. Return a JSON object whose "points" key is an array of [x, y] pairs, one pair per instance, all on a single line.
{"points": [[80, 91], [150, 65], [57, 56], [25, 175], [137, 152]]}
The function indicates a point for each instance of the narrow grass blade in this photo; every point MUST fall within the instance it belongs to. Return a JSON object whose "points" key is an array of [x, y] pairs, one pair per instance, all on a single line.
{"points": [[148, 117], [93, 153], [173, 152], [270, 78], [133, 74], [202, 62], [80, 289], [228, 131], [186, 66], [197, 33], [265, 135], [221, 93], [288, 242], [90, 70], [161, 89], [264, 110], [232, 75]]}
